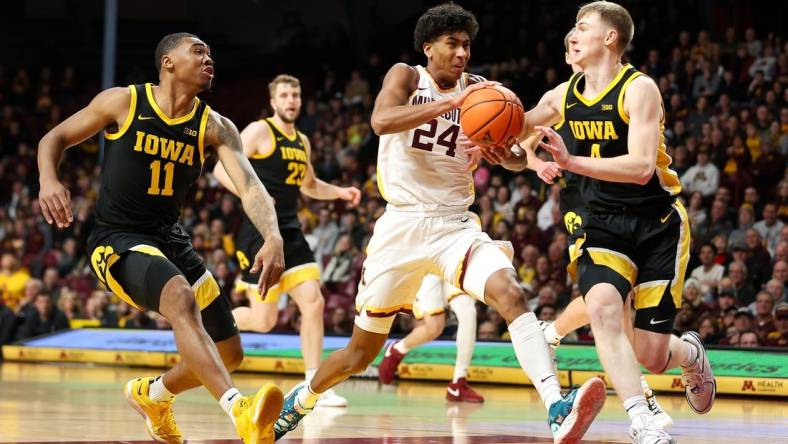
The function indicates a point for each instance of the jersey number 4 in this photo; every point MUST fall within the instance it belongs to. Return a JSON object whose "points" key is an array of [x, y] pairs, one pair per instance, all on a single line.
{"points": [[155, 176], [298, 170], [447, 138]]}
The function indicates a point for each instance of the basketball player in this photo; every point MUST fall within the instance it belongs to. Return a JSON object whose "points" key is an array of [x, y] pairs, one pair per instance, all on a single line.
{"points": [[431, 301], [157, 139], [572, 207], [635, 234], [427, 229], [280, 155]]}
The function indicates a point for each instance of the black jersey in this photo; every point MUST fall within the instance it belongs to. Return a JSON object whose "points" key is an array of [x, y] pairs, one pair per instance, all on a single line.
{"points": [[149, 164], [569, 198], [282, 170], [600, 128]]}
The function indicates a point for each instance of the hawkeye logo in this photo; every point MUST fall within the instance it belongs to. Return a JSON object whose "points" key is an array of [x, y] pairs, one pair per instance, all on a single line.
{"points": [[572, 221]]}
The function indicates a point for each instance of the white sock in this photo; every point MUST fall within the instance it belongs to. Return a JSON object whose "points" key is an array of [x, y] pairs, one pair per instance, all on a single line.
{"points": [[228, 400], [401, 347], [551, 335], [158, 392], [534, 356], [646, 389], [309, 374], [692, 354], [307, 398], [465, 309], [636, 406]]}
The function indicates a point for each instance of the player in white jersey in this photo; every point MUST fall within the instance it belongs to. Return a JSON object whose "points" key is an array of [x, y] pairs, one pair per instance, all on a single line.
{"points": [[433, 297], [427, 228]]}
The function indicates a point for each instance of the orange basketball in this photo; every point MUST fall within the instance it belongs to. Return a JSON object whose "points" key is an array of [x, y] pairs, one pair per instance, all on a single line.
{"points": [[491, 116]]}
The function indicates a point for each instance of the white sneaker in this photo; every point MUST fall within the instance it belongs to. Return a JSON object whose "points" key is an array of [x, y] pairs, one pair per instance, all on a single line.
{"points": [[329, 398], [660, 417], [701, 387], [644, 431]]}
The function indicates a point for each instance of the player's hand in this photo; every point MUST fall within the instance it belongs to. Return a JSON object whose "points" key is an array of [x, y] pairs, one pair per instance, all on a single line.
{"points": [[350, 194], [55, 202], [548, 171], [555, 145], [271, 259], [457, 101]]}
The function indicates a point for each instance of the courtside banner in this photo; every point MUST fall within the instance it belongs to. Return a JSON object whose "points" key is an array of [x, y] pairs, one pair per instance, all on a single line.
{"points": [[757, 372]]}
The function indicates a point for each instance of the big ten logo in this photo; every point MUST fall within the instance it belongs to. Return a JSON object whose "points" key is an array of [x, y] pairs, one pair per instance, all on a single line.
{"points": [[573, 221], [98, 259]]}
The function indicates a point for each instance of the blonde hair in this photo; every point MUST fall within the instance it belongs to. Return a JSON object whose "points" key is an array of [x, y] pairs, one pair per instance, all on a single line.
{"points": [[282, 78], [614, 15]]}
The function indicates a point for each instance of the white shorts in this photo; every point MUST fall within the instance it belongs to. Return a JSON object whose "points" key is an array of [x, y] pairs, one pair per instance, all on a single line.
{"points": [[407, 246], [433, 296]]}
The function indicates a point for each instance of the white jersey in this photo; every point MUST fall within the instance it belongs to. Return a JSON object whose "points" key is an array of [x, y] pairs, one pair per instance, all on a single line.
{"points": [[423, 169]]}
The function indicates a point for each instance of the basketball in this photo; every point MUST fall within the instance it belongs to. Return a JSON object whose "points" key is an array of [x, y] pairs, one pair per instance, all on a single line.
{"points": [[491, 116]]}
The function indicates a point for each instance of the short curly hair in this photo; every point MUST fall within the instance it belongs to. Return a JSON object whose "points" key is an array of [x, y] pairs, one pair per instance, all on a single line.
{"points": [[443, 19]]}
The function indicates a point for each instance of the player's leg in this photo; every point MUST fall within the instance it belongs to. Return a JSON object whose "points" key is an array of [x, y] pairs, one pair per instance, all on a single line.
{"points": [[487, 274], [657, 301], [260, 316], [464, 307]]}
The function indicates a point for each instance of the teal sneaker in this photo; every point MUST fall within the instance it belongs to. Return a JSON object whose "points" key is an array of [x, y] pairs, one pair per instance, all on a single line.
{"points": [[570, 417], [292, 413]]}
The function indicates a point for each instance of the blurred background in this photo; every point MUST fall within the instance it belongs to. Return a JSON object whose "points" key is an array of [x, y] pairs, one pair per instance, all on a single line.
{"points": [[722, 68]]}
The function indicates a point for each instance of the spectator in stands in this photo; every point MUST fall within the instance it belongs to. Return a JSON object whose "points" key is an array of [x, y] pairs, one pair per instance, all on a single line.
{"points": [[780, 272], [779, 338], [140, 319], [338, 323], [546, 312], [777, 290], [43, 318], [326, 233], [488, 331], [98, 307], [764, 320], [696, 212], [703, 177], [770, 226], [758, 261], [717, 223], [745, 294], [12, 279], [749, 339], [339, 267], [70, 305], [746, 219], [709, 330], [708, 273]]}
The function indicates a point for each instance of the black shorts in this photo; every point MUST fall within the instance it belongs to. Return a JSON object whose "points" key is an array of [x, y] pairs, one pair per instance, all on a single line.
{"points": [[136, 266], [300, 265], [645, 253]]}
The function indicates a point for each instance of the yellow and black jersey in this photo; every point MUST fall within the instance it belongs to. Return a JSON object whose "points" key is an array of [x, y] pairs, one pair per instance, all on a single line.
{"points": [[149, 164], [599, 127], [282, 170], [569, 198]]}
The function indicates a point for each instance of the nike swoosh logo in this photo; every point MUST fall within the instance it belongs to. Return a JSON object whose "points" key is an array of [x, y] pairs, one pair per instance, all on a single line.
{"points": [[464, 219], [569, 106], [279, 139], [422, 89], [664, 219], [141, 117], [653, 322], [453, 391]]}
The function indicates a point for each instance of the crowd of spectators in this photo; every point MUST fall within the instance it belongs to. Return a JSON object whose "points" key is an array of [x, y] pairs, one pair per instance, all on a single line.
{"points": [[726, 128]]}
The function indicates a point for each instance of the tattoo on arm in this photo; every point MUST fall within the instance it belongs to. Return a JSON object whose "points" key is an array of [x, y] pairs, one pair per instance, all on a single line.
{"points": [[257, 203]]}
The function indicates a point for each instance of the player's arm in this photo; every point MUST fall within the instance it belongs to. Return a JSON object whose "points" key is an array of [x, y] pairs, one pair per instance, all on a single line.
{"points": [[643, 104], [255, 135], [223, 136], [547, 112], [392, 114], [318, 189], [107, 108], [547, 171]]}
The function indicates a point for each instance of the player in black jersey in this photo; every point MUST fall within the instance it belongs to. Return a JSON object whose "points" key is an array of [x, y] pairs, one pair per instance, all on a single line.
{"points": [[158, 137], [635, 234], [280, 155]]}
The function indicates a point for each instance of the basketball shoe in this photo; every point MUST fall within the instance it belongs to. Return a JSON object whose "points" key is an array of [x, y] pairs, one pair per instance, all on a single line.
{"points": [[388, 366], [329, 398], [660, 417], [158, 415], [460, 391], [700, 388], [570, 417], [254, 416], [292, 412], [644, 431]]}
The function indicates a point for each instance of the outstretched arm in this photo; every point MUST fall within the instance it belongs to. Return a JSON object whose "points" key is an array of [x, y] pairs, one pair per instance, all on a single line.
{"points": [[222, 134], [318, 189], [107, 108]]}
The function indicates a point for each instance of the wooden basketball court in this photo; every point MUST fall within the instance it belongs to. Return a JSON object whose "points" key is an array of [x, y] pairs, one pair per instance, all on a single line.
{"points": [[82, 403]]}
